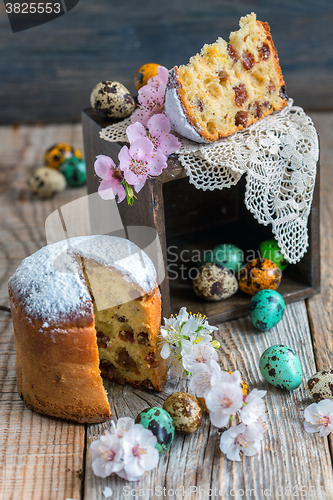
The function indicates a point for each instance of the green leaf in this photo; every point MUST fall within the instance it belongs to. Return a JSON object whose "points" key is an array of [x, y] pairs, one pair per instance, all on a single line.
{"points": [[129, 192]]}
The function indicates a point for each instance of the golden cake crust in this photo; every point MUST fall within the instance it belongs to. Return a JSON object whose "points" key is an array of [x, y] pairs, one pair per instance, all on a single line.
{"points": [[176, 91], [58, 368]]}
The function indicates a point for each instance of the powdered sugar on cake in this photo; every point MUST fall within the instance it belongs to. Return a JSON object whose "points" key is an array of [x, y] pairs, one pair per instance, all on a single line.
{"points": [[50, 283], [120, 254]]}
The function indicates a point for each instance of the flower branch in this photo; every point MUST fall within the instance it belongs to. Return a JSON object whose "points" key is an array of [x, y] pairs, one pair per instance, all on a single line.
{"points": [[150, 145]]}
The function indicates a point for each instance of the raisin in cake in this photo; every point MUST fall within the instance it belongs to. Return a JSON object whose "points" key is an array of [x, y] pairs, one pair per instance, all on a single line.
{"points": [[227, 87], [83, 307]]}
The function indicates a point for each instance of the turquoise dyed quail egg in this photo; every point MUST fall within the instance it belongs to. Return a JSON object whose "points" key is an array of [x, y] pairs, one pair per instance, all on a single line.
{"points": [[266, 308], [280, 366], [226, 255], [160, 423]]}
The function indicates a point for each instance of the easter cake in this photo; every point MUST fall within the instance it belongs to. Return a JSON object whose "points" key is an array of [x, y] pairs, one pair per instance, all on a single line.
{"points": [[228, 86], [81, 308]]}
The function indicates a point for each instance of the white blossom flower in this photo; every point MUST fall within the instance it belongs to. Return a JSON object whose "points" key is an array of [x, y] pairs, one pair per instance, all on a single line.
{"points": [[140, 454], [127, 477], [200, 382], [122, 426], [178, 336], [223, 400], [176, 363], [166, 349], [171, 333], [253, 411], [186, 347], [107, 454], [176, 321], [200, 354], [319, 417], [243, 439]]}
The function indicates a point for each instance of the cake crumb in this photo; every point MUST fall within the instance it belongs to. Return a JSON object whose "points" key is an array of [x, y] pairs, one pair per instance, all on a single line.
{"points": [[107, 492]]}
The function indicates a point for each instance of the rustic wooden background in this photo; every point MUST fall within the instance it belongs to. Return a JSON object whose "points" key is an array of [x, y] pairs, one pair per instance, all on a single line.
{"points": [[48, 72]]}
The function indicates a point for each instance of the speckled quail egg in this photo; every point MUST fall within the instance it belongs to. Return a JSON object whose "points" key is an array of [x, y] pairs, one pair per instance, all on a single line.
{"points": [[320, 385], [226, 255], [266, 309], [185, 412], [214, 282], [280, 366], [112, 100], [74, 169], [45, 182], [259, 274], [160, 423], [269, 249]]}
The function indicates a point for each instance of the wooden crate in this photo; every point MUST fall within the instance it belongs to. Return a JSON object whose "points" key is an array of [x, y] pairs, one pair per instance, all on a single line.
{"points": [[187, 220]]}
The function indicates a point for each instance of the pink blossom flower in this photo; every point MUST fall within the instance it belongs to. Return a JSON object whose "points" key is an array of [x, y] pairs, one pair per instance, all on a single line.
{"points": [[243, 439], [140, 454], [157, 132], [319, 417], [107, 454], [200, 382], [200, 353], [122, 426], [162, 74], [111, 176], [223, 400], [253, 411], [140, 161], [151, 97]]}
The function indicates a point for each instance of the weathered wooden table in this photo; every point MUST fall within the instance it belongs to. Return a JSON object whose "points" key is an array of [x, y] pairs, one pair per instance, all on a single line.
{"points": [[43, 458]]}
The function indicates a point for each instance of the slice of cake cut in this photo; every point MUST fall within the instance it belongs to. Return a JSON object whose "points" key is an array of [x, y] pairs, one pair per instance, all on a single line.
{"points": [[127, 322], [228, 86], [82, 308]]}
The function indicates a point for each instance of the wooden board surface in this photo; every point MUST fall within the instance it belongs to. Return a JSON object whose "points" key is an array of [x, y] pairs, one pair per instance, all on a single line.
{"points": [[48, 72], [288, 456], [39, 457], [44, 458]]}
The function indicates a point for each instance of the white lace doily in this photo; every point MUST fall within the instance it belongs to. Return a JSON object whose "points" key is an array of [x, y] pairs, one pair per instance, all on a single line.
{"points": [[279, 154]]}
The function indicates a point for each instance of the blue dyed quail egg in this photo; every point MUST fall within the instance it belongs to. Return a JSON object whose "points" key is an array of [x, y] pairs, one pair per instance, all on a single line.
{"points": [[280, 366], [160, 423], [266, 308], [320, 385]]}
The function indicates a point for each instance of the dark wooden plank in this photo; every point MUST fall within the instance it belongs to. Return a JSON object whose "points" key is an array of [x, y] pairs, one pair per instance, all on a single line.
{"points": [[320, 308], [48, 72]]}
